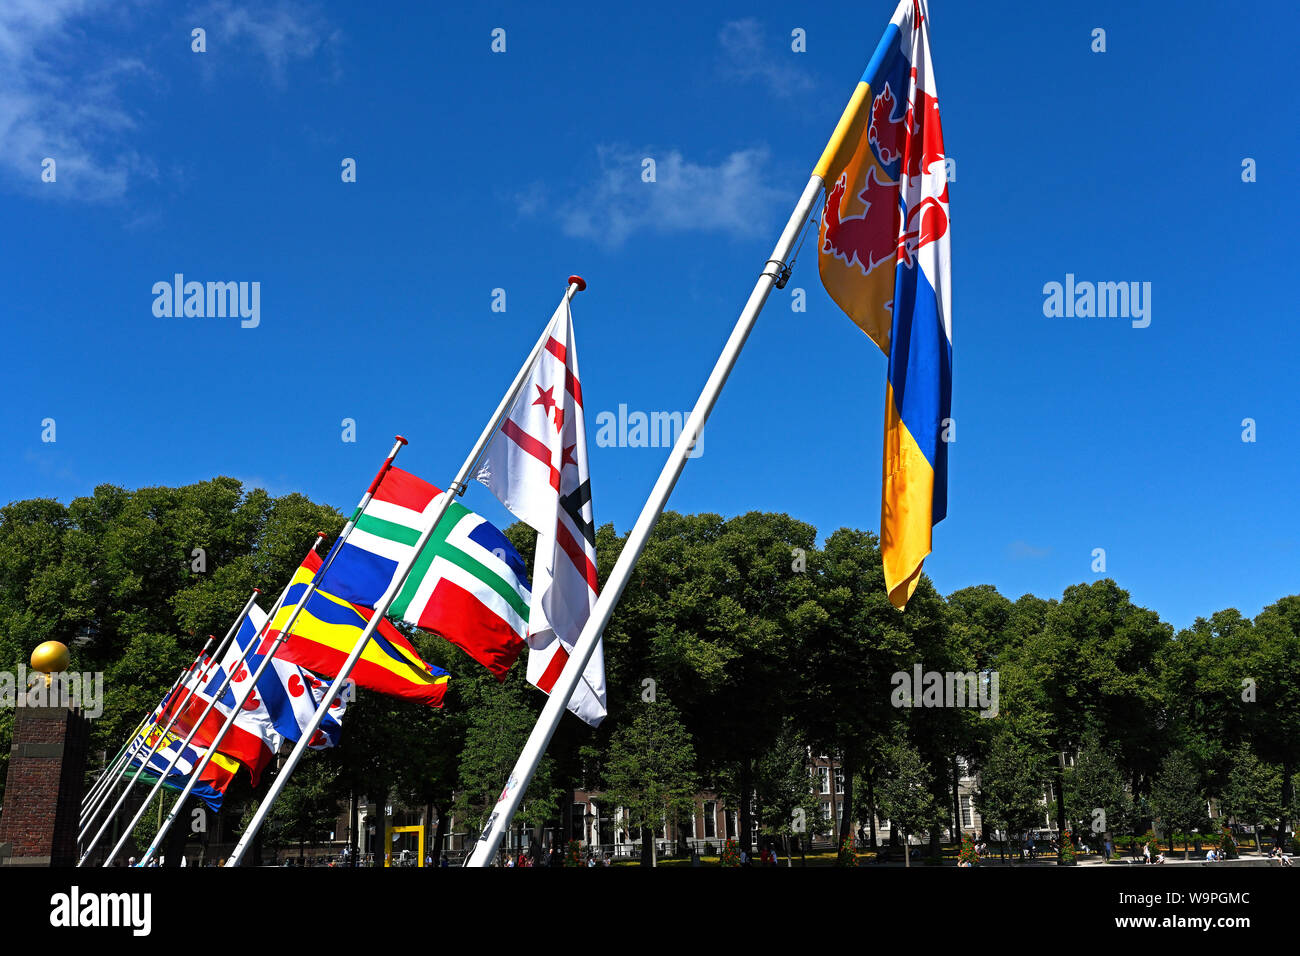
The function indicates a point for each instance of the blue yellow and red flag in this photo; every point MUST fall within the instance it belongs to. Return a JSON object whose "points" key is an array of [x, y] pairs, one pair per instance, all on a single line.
{"points": [[884, 258], [326, 631]]}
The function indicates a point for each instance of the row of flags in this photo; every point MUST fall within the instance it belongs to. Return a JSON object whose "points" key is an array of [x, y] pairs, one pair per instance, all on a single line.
{"points": [[468, 584], [884, 258]]}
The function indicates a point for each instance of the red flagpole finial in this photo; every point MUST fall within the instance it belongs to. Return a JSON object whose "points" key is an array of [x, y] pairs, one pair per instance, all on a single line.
{"points": [[579, 281], [401, 439], [321, 534]]}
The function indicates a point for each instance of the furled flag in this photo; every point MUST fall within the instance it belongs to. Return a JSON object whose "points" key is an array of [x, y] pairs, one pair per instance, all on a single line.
{"points": [[278, 709], [537, 466], [327, 630], [212, 783], [884, 259], [468, 585]]}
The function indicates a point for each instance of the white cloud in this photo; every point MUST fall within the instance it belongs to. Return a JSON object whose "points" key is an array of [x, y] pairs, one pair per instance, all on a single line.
{"points": [[52, 103], [64, 93], [747, 56], [731, 197], [280, 33]]}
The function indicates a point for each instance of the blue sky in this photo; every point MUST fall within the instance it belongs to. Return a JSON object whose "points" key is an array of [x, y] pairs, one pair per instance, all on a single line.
{"points": [[479, 170]]}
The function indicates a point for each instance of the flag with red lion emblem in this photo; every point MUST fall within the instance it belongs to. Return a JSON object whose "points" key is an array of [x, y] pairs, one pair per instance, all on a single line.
{"points": [[884, 259]]}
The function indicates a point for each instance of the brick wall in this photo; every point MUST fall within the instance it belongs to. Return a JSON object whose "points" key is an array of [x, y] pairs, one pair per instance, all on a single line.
{"points": [[38, 825]]}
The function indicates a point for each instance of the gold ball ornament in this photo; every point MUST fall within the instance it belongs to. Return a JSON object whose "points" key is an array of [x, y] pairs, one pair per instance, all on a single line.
{"points": [[51, 657]]}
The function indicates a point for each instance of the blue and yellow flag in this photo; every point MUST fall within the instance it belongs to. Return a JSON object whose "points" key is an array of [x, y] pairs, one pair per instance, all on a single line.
{"points": [[884, 258]]}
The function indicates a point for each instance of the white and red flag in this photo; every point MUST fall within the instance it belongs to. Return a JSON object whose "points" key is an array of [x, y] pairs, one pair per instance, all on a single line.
{"points": [[536, 464]]}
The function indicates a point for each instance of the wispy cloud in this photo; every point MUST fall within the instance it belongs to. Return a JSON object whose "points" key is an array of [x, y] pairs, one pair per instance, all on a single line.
{"points": [[730, 197], [1024, 551], [747, 56], [67, 95], [280, 33], [61, 97]]}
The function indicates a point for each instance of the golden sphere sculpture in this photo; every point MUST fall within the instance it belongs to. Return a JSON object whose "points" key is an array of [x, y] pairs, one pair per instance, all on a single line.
{"points": [[51, 657]]}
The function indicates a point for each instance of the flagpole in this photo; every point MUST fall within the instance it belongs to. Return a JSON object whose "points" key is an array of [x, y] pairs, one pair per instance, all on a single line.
{"points": [[176, 712], [236, 709], [130, 749], [97, 787], [269, 656], [776, 268], [198, 724], [444, 500], [140, 747]]}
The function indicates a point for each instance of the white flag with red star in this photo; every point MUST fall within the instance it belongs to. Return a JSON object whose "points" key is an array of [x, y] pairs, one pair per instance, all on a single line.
{"points": [[537, 466]]}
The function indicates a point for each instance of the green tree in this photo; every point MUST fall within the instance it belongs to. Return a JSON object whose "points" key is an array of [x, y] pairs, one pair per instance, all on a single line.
{"points": [[1013, 774], [650, 770], [907, 795], [1254, 790], [1177, 798], [499, 721], [1095, 783], [784, 800]]}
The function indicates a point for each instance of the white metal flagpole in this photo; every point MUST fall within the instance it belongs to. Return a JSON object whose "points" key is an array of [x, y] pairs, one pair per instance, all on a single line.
{"points": [[457, 486], [269, 656], [776, 268], [144, 761], [113, 770], [97, 787], [176, 712], [197, 770], [133, 746]]}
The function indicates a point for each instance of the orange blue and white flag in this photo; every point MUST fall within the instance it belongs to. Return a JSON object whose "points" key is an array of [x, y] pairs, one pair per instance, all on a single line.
{"points": [[884, 258]]}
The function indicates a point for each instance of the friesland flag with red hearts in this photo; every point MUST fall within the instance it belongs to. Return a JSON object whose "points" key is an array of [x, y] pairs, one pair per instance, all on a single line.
{"points": [[278, 709], [537, 466]]}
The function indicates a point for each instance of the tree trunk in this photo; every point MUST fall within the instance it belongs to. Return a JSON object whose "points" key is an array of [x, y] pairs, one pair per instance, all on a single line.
{"points": [[846, 802], [907, 850], [746, 798], [1060, 802], [439, 834], [871, 808], [1288, 795], [647, 846], [354, 845], [956, 803]]}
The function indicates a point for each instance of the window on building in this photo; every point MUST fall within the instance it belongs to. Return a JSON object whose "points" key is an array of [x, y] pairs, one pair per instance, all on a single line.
{"points": [[710, 820], [686, 823], [577, 825], [839, 780], [826, 810], [967, 815], [825, 774], [733, 826]]}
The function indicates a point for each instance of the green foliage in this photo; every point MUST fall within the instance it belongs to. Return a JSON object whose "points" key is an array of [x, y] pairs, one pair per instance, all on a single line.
{"points": [[1176, 794], [650, 771], [767, 645], [501, 716]]}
